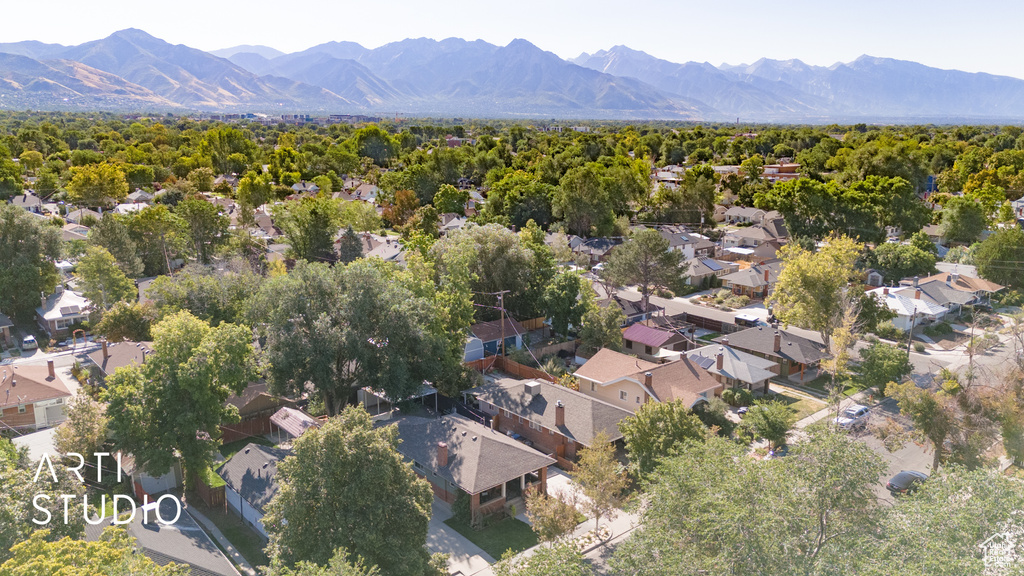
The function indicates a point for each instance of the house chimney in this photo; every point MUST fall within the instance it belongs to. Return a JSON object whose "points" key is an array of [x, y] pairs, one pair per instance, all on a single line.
{"points": [[766, 270], [954, 277], [42, 300], [648, 378], [442, 454], [778, 341], [885, 291], [720, 359], [916, 278], [559, 413], [49, 368], [725, 340], [106, 354], [917, 294]]}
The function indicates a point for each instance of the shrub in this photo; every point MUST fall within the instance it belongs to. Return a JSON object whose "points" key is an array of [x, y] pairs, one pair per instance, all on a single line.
{"points": [[937, 329], [1010, 298], [918, 347], [888, 331], [461, 507], [744, 397]]}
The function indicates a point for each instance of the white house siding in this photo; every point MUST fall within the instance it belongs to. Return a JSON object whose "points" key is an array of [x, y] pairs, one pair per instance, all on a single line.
{"points": [[246, 511]]}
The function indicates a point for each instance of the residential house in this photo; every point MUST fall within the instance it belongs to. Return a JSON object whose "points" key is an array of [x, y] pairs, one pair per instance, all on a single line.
{"points": [[653, 344], [60, 310], [114, 355], [756, 235], [226, 179], [700, 270], [130, 207], [31, 397], [367, 193], [629, 383], [780, 172], [934, 232], [910, 309], [597, 249], [744, 215], [873, 278], [451, 221], [5, 331], [755, 282], [38, 443], [456, 454], [28, 202], [383, 247], [71, 231], [979, 288], [250, 476], [794, 354], [735, 368], [557, 420], [255, 407], [140, 196], [632, 310], [304, 187], [690, 244], [184, 543], [490, 334], [77, 216]]}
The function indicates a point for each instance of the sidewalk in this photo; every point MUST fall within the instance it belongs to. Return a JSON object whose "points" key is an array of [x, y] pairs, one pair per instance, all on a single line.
{"points": [[464, 557], [216, 534]]}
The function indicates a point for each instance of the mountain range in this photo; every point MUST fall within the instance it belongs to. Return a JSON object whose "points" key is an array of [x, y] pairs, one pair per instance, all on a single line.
{"points": [[132, 70]]}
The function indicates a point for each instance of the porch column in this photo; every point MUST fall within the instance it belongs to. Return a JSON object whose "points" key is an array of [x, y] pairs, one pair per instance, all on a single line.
{"points": [[522, 483], [543, 480], [503, 489]]}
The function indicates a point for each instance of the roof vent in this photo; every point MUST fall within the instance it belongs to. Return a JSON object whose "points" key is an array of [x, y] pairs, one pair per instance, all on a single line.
{"points": [[265, 464], [463, 432], [247, 450], [474, 438], [533, 388]]}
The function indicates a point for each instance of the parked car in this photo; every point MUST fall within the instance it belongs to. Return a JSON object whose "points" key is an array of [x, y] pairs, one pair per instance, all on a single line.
{"points": [[29, 343], [853, 418], [906, 482]]}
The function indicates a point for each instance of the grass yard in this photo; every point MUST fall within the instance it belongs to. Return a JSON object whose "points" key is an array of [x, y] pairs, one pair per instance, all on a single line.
{"points": [[800, 405], [823, 382], [248, 543], [229, 450], [507, 534]]}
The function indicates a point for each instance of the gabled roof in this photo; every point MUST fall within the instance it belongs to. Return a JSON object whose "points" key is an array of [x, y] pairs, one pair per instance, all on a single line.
{"points": [[649, 336], [608, 365], [736, 364], [293, 421], [252, 472], [491, 331], [964, 283], [744, 212], [704, 266], [26, 201], [28, 384], [585, 416], [938, 293], [906, 305], [5, 321], [754, 276], [761, 340], [72, 231], [64, 304], [76, 216], [120, 354], [256, 398], [478, 457], [682, 380]]}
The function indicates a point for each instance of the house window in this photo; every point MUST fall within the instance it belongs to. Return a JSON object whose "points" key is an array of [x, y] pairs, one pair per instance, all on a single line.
{"points": [[592, 387], [629, 344], [647, 349], [622, 394], [21, 409], [490, 494], [637, 399], [535, 425]]}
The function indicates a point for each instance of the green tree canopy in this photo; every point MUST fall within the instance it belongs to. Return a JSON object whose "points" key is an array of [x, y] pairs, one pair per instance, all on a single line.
{"points": [[647, 261], [1000, 257], [101, 281], [346, 486], [310, 225], [898, 261], [114, 554], [882, 363], [207, 227], [215, 296], [655, 431], [963, 220], [112, 234], [564, 302], [28, 250], [95, 185]]}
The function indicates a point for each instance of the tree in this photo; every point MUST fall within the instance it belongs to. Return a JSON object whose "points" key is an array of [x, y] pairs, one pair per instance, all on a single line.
{"points": [[176, 401], [32, 160], [881, 364], [812, 285], [112, 234], [602, 327], [349, 247], [600, 477], [345, 327], [655, 431], [85, 430], [254, 190], [207, 227], [339, 565], [581, 202], [872, 312], [737, 515], [18, 492], [922, 241], [101, 281], [401, 209], [550, 517], [202, 179], [360, 216], [517, 198], [1000, 256], [310, 225], [95, 185], [346, 486], [564, 303], [159, 235], [770, 420], [28, 250], [129, 321], [963, 220], [451, 199], [563, 559], [645, 260], [898, 261], [215, 296], [930, 412], [114, 554]]}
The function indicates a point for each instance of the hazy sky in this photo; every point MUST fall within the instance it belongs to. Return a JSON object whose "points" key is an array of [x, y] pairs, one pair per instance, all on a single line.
{"points": [[983, 36]]}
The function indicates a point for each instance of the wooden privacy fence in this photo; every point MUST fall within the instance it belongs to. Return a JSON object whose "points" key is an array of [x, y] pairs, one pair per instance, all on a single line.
{"points": [[509, 367]]}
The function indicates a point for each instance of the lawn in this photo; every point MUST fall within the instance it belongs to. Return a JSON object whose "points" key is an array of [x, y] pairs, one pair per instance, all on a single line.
{"points": [[229, 450], [248, 543], [498, 537], [803, 407], [824, 382]]}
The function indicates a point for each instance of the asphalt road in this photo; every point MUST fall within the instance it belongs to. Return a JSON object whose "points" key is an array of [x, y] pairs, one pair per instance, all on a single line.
{"points": [[911, 456]]}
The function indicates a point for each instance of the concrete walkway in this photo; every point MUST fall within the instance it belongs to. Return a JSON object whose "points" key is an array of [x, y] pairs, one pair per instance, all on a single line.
{"points": [[217, 535], [464, 557]]}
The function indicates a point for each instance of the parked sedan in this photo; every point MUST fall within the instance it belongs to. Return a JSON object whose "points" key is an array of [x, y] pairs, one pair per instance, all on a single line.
{"points": [[906, 482]]}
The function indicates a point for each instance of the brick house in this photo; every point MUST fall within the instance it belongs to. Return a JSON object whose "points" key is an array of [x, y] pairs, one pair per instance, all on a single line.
{"points": [[557, 420], [652, 344], [735, 368], [114, 355], [629, 383], [61, 310], [793, 353], [32, 397], [458, 455]]}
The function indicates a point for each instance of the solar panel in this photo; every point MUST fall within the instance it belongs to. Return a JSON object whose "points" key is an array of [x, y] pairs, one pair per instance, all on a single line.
{"points": [[65, 310], [702, 361], [713, 265]]}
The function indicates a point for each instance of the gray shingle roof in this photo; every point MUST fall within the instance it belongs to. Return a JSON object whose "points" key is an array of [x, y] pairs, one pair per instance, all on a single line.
{"points": [[478, 457], [584, 416], [736, 364], [761, 340], [252, 472]]}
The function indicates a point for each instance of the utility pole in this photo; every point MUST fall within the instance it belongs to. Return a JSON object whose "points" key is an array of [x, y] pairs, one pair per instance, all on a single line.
{"points": [[910, 339], [501, 305]]}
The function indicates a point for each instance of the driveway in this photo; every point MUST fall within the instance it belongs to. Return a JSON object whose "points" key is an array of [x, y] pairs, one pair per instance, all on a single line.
{"points": [[464, 557], [561, 485]]}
